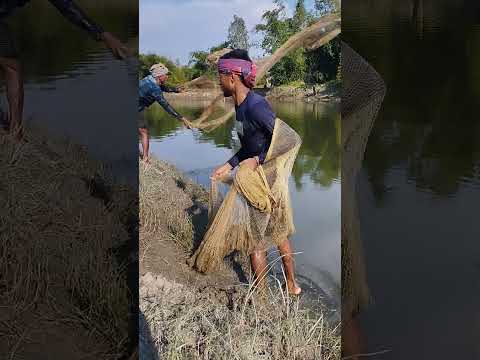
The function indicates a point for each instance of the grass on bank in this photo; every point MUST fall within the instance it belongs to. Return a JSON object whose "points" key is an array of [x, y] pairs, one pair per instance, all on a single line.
{"points": [[62, 221], [238, 322]]}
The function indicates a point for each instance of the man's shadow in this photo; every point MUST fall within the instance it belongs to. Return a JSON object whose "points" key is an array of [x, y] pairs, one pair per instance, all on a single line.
{"points": [[147, 348]]}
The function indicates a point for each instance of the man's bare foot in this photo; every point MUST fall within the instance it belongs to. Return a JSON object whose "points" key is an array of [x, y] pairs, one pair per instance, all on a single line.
{"points": [[293, 288], [145, 159]]}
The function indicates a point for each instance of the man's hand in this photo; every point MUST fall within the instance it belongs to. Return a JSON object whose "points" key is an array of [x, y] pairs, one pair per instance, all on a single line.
{"points": [[186, 122], [252, 163], [118, 49], [221, 170], [180, 88]]}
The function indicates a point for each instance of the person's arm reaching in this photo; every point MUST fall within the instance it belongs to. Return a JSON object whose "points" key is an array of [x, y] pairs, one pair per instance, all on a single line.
{"points": [[75, 15], [166, 106], [70, 10], [170, 89], [169, 109]]}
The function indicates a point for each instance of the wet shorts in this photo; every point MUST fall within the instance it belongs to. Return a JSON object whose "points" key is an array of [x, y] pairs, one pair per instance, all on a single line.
{"points": [[142, 123]]}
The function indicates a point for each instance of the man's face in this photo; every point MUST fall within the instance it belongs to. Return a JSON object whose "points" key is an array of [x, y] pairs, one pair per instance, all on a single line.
{"points": [[227, 84], [162, 78]]}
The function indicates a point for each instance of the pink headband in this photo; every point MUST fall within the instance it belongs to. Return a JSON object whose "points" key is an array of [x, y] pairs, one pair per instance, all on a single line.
{"points": [[239, 67]]}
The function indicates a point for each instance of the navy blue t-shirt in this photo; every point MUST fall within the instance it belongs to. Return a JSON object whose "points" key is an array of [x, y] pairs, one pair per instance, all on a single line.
{"points": [[255, 120], [150, 91]]}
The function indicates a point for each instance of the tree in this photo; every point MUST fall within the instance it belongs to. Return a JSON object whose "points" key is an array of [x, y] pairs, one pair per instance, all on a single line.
{"points": [[221, 46], [324, 7], [177, 75], [198, 61], [300, 16], [237, 34], [323, 64], [277, 29]]}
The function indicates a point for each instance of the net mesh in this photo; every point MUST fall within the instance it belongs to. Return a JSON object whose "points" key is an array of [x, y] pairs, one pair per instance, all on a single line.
{"points": [[235, 223], [312, 37], [363, 91]]}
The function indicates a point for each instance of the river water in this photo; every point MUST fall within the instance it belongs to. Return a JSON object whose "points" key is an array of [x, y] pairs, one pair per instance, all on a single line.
{"points": [[73, 85], [314, 185], [420, 183]]}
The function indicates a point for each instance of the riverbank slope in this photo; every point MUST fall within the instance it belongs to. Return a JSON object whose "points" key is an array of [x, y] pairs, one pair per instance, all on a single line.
{"points": [[186, 315]]}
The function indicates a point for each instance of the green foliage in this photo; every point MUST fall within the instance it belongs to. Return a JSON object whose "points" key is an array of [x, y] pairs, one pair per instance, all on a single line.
{"points": [[178, 74], [309, 67], [198, 61], [300, 16], [318, 157], [237, 34], [318, 66], [290, 69], [322, 64], [275, 29], [197, 66], [324, 7], [49, 45]]}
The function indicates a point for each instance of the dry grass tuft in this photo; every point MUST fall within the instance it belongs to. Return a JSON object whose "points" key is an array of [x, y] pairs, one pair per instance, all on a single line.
{"points": [[160, 206], [178, 321], [186, 323], [62, 219]]}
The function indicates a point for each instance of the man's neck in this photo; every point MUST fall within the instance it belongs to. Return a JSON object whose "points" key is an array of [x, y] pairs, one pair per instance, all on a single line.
{"points": [[240, 94]]}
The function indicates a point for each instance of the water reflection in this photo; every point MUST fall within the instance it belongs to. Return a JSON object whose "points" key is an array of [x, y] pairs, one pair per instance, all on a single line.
{"points": [[420, 176], [52, 49], [428, 123], [319, 127], [317, 124], [314, 186], [74, 87]]}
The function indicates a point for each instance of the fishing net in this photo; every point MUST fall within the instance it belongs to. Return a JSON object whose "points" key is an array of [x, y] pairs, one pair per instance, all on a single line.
{"points": [[256, 212], [363, 91], [310, 38]]}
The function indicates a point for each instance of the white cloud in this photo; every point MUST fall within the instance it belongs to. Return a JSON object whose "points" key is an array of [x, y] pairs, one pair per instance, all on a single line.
{"points": [[176, 28]]}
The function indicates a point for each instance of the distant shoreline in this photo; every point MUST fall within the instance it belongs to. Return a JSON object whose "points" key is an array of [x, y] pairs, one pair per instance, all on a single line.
{"points": [[319, 93]]}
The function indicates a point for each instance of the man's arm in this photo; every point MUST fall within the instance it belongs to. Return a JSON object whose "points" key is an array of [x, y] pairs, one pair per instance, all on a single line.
{"points": [[75, 15], [169, 89], [166, 106], [237, 158]]}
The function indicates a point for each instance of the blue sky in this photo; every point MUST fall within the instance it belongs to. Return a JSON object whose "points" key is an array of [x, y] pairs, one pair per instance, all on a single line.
{"points": [[174, 28]]}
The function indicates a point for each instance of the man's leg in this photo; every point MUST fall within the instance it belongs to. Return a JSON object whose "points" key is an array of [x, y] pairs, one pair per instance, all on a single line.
{"points": [[259, 264], [145, 143], [15, 95], [287, 257], [352, 339]]}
